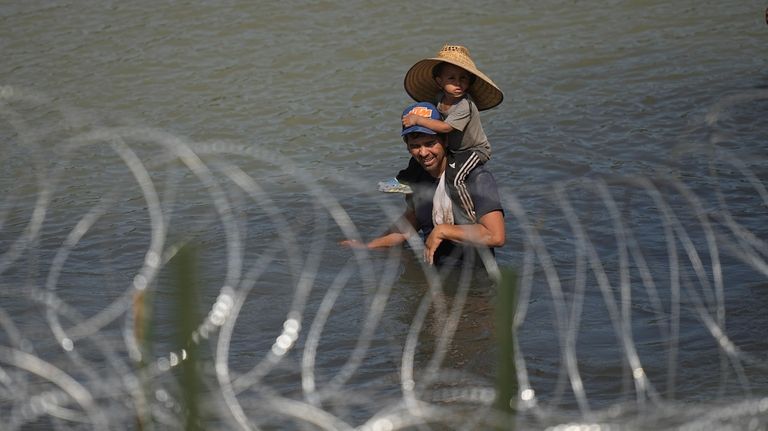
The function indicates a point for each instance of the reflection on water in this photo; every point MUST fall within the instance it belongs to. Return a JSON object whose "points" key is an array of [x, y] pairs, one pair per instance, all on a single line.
{"points": [[459, 320]]}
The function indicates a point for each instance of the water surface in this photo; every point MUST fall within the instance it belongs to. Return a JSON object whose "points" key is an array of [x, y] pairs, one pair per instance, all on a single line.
{"points": [[293, 110]]}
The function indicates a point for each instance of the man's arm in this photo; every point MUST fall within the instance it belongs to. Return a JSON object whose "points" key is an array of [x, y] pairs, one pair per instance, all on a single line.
{"points": [[488, 231], [392, 237]]}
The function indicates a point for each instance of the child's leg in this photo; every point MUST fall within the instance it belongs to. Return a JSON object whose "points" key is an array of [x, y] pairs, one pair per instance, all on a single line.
{"points": [[410, 174], [459, 166]]}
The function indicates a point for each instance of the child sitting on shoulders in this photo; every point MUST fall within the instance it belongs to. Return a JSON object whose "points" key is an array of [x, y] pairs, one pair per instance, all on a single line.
{"points": [[459, 90]]}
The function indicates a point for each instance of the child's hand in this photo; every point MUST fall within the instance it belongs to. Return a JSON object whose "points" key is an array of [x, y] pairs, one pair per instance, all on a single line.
{"points": [[410, 120]]}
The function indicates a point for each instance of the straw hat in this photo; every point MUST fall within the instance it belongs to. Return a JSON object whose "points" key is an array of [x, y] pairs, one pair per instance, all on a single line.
{"points": [[421, 86]]}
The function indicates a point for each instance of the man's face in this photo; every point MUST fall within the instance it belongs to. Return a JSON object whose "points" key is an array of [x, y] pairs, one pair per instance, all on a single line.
{"points": [[428, 150]]}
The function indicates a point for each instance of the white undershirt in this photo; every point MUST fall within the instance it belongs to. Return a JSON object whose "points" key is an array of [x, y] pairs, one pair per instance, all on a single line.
{"points": [[442, 206]]}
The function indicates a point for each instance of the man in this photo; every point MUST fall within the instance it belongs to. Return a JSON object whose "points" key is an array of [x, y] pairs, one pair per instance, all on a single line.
{"points": [[449, 235]]}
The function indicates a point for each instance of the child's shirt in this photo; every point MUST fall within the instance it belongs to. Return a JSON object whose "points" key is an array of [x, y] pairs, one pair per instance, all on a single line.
{"points": [[468, 133]]}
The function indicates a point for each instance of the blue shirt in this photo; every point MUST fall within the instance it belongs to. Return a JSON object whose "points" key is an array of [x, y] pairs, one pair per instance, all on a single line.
{"points": [[484, 192]]}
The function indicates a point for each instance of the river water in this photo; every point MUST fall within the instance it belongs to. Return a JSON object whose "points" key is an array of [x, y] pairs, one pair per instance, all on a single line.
{"points": [[630, 151]]}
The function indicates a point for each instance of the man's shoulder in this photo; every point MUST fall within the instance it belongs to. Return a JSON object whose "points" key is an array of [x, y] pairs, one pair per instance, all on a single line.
{"points": [[484, 191], [481, 173], [423, 178]]}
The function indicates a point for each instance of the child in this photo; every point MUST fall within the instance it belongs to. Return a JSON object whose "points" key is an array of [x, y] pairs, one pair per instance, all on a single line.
{"points": [[459, 90]]}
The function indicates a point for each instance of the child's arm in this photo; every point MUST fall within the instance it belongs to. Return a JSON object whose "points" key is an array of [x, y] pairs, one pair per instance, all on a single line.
{"points": [[436, 125]]}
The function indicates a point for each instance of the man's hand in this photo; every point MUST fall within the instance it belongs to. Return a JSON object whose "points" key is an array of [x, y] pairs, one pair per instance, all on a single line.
{"points": [[353, 243], [488, 232], [433, 241]]}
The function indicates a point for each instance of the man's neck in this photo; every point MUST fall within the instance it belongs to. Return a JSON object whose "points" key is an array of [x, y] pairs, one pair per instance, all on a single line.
{"points": [[441, 170]]}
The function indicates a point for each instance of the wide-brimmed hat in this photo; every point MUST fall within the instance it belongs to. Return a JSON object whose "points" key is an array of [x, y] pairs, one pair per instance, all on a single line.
{"points": [[421, 86]]}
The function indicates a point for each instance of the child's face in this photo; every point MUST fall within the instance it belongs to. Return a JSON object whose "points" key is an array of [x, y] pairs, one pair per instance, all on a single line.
{"points": [[453, 80]]}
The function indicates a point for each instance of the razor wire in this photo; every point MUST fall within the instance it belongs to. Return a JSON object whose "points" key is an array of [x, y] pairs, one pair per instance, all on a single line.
{"points": [[63, 368]]}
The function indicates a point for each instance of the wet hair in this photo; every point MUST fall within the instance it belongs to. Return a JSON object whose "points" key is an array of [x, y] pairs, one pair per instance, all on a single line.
{"points": [[438, 69]]}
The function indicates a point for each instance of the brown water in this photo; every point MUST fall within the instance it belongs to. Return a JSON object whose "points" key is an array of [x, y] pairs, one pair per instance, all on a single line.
{"points": [[293, 111]]}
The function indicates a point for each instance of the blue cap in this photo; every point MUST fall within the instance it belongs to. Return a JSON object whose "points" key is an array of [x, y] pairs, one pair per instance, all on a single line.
{"points": [[422, 109]]}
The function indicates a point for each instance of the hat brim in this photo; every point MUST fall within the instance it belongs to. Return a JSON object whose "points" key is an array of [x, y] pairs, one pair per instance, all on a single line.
{"points": [[421, 86], [418, 129]]}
